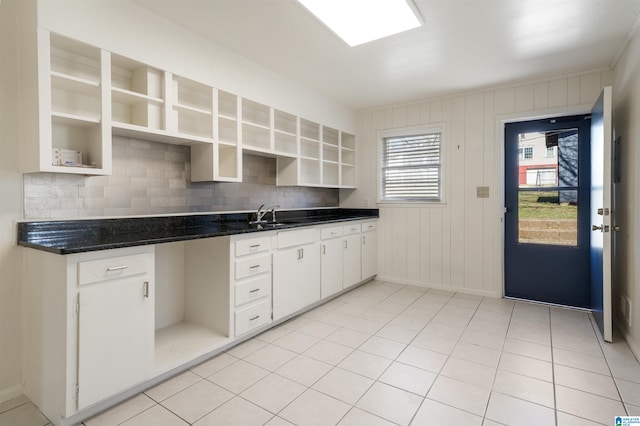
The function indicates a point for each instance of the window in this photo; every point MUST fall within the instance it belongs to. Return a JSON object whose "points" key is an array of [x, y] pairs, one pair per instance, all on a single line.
{"points": [[525, 153], [550, 151], [411, 164]]}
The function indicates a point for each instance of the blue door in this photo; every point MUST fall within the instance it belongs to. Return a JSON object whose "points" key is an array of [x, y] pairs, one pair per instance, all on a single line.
{"points": [[547, 201]]}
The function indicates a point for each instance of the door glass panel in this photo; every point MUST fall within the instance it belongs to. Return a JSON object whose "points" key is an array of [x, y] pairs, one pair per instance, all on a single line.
{"points": [[548, 217], [547, 182]]}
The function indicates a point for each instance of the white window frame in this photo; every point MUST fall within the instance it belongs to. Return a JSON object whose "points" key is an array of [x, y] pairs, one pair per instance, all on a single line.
{"points": [[522, 152], [409, 131]]}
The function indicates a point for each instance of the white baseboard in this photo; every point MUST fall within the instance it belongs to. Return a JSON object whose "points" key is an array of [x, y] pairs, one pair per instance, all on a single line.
{"points": [[10, 393], [486, 293]]}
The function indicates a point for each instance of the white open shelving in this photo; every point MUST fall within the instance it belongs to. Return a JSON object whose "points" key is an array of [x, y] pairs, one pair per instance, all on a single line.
{"points": [[88, 94]]}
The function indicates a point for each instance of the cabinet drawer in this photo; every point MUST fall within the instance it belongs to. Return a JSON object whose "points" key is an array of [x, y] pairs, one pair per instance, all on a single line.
{"points": [[252, 290], [369, 226], [252, 317], [333, 232], [254, 245], [94, 271], [353, 228], [297, 237], [252, 266]]}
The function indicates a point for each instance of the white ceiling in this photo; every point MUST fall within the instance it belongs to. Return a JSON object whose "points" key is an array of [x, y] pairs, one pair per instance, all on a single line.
{"points": [[463, 45]]}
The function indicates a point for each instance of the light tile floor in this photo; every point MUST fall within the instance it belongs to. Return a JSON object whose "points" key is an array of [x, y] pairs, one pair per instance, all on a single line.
{"points": [[387, 354]]}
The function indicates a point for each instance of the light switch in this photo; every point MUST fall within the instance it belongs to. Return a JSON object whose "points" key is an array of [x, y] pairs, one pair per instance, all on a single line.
{"points": [[482, 192]]}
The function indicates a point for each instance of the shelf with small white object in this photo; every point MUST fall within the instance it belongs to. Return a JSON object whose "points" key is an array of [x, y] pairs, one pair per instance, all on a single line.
{"points": [[83, 94], [72, 135]]}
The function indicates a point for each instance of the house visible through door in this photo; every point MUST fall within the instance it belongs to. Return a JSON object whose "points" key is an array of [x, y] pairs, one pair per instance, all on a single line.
{"points": [[547, 199]]}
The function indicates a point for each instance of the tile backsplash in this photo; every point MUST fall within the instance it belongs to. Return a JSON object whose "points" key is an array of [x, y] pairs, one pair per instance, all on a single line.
{"points": [[154, 178]]}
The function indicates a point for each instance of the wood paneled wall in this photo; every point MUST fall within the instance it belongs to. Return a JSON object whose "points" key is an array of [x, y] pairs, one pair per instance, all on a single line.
{"points": [[457, 245]]}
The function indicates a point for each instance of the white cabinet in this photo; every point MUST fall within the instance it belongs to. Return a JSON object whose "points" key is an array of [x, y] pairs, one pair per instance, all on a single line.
{"points": [[296, 271], [330, 261], [369, 249], [89, 332], [65, 122], [110, 359], [79, 95], [251, 282], [351, 268]]}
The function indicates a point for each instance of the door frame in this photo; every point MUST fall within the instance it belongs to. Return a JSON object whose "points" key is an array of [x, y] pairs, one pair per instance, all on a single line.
{"points": [[498, 178]]}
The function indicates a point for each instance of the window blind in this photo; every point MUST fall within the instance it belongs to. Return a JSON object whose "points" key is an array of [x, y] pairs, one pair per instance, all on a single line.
{"points": [[411, 168]]}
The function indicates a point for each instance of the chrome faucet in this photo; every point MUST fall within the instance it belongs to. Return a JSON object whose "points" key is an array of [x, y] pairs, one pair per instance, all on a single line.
{"points": [[261, 212]]}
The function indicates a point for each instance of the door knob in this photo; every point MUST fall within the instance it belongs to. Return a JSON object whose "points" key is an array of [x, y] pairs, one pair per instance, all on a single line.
{"points": [[596, 228]]}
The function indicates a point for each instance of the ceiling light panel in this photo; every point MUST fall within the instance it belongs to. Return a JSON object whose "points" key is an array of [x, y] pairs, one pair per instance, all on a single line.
{"points": [[362, 21]]}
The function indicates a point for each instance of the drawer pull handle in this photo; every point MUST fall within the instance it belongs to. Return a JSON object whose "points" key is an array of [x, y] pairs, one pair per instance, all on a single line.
{"points": [[324, 249], [117, 268], [145, 289], [254, 318], [345, 244], [254, 267], [254, 246], [364, 240], [254, 290], [333, 232]]}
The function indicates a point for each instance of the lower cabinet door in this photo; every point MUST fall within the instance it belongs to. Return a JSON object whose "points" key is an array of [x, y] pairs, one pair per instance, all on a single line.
{"points": [[351, 268], [115, 338], [296, 279], [331, 264]]}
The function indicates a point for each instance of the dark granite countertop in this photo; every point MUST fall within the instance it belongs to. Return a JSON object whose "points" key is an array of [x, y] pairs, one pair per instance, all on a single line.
{"points": [[76, 236]]}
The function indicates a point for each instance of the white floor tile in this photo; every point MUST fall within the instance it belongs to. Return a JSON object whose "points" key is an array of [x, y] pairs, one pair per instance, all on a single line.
{"points": [[433, 413], [583, 404], [526, 366], [423, 358], [460, 395], [273, 393], [366, 364], [173, 386], [318, 329], [273, 334], [630, 391], [390, 403], [313, 408], [480, 354], [214, 365], [238, 376], [296, 341], [627, 370], [565, 419], [278, 421], [304, 370], [586, 381], [154, 416], [246, 348], [350, 338], [513, 411], [523, 387], [357, 417], [444, 330], [528, 349], [364, 325], [435, 343], [329, 352], [481, 338], [270, 357], [344, 385], [469, 372], [197, 400], [236, 411], [409, 378], [398, 334], [382, 347], [13, 403], [23, 415], [122, 412]]}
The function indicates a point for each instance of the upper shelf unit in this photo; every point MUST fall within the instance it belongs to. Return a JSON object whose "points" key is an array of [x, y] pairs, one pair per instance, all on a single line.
{"points": [[87, 94], [72, 123]]}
